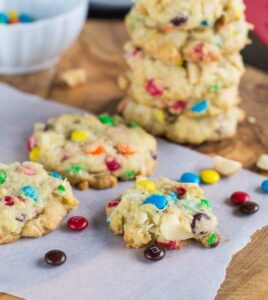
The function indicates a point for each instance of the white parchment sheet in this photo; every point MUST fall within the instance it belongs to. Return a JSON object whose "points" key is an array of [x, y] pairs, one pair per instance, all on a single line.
{"points": [[98, 266]]}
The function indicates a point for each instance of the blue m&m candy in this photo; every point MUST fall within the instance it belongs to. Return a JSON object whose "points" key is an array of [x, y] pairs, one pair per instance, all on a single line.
{"points": [[190, 178], [24, 18], [264, 186], [30, 192], [173, 196], [204, 23], [159, 201], [200, 107], [55, 174], [3, 18]]}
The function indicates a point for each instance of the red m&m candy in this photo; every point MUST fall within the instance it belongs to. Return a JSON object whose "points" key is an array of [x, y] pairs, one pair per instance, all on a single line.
{"points": [[181, 191], [77, 223], [154, 88], [239, 198], [31, 143], [112, 203], [8, 200], [112, 164]]}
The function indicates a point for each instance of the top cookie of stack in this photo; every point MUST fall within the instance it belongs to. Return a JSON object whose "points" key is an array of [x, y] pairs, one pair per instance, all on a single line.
{"points": [[184, 62]]}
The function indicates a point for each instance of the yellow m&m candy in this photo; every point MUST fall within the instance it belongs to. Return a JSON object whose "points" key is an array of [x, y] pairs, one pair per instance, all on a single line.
{"points": [[34, 153], [160, 116], [210, 176], [79, 136], [147, 185]]}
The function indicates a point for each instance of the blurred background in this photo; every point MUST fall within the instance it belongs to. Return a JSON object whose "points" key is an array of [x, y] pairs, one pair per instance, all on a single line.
{"points": [[255, 54]]}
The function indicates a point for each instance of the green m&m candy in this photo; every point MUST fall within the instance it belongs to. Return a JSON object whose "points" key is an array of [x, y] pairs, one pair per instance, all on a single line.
{"points": [[213, 240], [76, 169], [2, 177], [134, 124], [107, 120], [129, 175]]}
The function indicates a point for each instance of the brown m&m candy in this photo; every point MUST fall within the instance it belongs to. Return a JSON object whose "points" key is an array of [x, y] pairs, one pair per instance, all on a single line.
{"points": [[55, 257], [249, 208], [154, 252]]}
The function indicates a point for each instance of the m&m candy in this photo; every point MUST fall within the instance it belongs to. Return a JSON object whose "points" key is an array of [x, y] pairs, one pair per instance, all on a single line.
{"points": [[239, 198], [154, 252], [55, 257], [2, 176], [249, 208], [107, 119], [204, 23], [181, 191], [202, 106], [173, 196], [77, 223], [30, 192], [113, 203], [264, 186], [112, 164], [159, 201], [8, 200], [34, 153], [79, 136], [190, 178], [147, 185], [25, 18], [210, 176], [129, 175], [154, 88], [76, 169], [3, 18], [55, 175]]}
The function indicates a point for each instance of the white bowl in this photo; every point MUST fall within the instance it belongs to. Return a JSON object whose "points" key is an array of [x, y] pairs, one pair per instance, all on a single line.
{"points": [[31, 47]]}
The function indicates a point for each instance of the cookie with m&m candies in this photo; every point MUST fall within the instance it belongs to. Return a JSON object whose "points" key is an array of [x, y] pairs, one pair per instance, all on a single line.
{"points": [[33, 202]]}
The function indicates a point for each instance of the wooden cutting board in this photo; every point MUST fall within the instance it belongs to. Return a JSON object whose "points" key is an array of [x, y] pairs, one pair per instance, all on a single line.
{"points": [[99, 51]]}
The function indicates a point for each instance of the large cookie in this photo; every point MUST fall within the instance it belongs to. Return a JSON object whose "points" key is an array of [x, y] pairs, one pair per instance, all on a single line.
{"points": [[163, 211], [215, 102], [32, 201], [175, 45], [182, 128], [149, 79], [93, 152], [188, 14]]}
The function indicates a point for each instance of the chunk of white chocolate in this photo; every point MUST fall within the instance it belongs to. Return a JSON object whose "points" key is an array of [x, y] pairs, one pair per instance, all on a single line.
{"points": [[262, 162], [225, 166], [74, 77]]}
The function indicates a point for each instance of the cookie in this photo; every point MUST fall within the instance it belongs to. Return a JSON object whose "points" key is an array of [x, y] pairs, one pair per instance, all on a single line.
{"points": [[163, 211], [183, 129], [215, 102], [151, 79], [33, 202], [175, 46], [188, 14], [93, 151]]}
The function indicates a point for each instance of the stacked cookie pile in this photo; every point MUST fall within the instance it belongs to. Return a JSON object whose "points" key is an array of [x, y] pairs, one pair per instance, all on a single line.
{"points": [[185, 68]]}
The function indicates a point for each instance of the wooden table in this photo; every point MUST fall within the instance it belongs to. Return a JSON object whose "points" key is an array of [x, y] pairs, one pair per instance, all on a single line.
{"points": [[99, 51]]}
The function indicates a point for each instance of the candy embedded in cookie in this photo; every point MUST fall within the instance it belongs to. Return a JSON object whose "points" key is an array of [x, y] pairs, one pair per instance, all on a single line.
{"points": [[163, 211], [32, 201], [93, 152]]}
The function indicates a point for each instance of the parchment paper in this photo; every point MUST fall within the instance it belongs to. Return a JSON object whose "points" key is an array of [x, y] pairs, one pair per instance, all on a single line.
{"points": [[98, 265]]}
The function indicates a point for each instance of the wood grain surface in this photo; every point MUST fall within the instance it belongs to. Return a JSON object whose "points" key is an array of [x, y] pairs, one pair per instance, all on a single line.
{"points": [[99, 51]]}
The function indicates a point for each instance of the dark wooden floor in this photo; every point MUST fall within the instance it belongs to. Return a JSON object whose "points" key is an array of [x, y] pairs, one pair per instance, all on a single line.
{"points": [[255, 54]]}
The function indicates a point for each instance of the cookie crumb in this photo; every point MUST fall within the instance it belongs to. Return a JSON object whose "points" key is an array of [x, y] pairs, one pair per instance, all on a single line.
{"points": [[252, 120], [262, 162], [74, 77]]}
